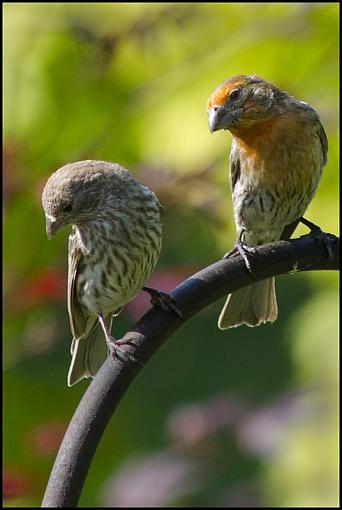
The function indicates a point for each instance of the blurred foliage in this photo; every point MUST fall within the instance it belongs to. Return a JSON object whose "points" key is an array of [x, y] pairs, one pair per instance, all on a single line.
{"points": [[128, 83]]}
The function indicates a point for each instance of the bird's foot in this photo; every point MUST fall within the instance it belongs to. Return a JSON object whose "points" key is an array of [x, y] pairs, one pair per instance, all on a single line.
{"points": [[163, 300], [242, 249], [116, 351], [114, 345], [323, 237]]}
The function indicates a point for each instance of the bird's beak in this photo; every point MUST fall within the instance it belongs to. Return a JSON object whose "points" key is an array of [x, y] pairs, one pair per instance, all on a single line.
{"points": [[51, 226], [219, 118]]}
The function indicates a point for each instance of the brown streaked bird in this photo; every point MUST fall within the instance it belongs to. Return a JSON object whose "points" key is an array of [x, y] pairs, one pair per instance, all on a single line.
{"points": [[278, 151], [114, 246]]}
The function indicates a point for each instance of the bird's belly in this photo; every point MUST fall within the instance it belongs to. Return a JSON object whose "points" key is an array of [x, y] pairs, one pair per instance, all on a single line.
{"points": [[109, 284], [264, 212]]}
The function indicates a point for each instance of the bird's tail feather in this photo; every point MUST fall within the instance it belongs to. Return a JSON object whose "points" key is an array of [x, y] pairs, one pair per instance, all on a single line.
{"points": [[88, 354], [252, 305]]}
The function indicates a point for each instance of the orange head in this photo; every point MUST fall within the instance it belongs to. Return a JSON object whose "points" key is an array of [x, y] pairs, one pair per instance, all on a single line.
{"points": [[242, 101]]}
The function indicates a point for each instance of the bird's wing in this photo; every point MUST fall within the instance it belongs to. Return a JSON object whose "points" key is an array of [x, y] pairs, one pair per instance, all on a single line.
{"points": [[324, 143], [77, 315], [289, 229], [161, 209], [234, 168], [88, 354]]}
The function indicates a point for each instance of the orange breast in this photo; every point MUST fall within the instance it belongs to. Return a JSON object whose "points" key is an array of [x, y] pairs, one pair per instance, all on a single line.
{"points": [[278, 148]]}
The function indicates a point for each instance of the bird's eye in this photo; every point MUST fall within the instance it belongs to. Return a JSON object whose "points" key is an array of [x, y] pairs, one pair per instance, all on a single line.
{"points": [[235, 94], [67, 208]]}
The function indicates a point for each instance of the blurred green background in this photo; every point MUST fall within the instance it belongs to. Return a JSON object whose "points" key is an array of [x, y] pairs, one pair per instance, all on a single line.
{"points": [[246, 417]]}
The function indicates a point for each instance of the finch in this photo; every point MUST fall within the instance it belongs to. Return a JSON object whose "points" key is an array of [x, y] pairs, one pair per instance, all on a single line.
{"points": [[113, 247], [278, 151]]}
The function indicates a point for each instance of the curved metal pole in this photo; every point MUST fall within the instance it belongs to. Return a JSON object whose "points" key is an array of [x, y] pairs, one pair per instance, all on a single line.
{"points": [[114, 377]]}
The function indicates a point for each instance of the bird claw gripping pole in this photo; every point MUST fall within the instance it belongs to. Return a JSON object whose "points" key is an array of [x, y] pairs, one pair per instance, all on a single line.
{"points": [[242, 249], [114, 345], [322, 237], [163, 300]]}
